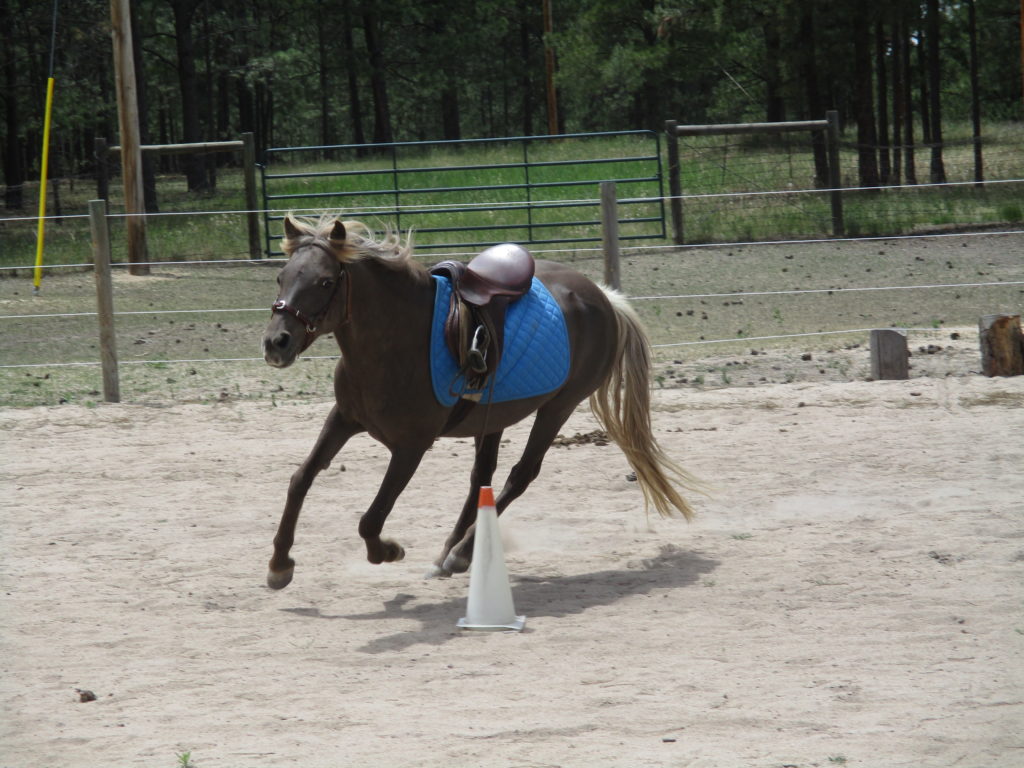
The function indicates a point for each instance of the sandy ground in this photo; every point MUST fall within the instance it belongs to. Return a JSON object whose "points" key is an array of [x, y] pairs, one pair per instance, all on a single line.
{"points": [[851, 593]]}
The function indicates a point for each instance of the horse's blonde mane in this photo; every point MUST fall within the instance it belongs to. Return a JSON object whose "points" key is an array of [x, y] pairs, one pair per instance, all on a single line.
{"points": [[360, 242]]}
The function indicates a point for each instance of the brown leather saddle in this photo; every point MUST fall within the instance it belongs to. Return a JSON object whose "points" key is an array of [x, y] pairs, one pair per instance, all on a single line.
{"points": [[482, 290]]}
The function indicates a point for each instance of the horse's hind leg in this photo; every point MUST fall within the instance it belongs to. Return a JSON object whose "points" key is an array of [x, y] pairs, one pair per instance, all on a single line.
{"points": [[333, 435], [484, 463], [549, 420]]}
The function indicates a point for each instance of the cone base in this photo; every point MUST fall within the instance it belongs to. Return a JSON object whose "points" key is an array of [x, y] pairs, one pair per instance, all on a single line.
{"points": [[515, 625]]}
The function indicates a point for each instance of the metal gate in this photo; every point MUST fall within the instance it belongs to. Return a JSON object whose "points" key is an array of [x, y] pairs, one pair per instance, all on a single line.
{"points": [[476, 192]]}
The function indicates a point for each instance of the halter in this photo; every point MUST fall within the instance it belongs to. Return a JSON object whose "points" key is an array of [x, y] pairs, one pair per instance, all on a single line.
{"points": [[282, 306], [310, 324]]}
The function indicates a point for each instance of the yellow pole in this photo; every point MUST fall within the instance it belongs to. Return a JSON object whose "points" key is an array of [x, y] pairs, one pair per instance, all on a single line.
{"points": [[42, 188]]}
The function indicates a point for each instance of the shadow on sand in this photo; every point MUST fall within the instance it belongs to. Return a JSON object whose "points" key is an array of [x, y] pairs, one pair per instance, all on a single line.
{"points": [[555, 596]]}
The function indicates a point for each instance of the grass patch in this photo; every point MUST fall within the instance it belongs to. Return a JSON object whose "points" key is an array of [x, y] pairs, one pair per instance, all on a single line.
{"points": [[482, 187]]}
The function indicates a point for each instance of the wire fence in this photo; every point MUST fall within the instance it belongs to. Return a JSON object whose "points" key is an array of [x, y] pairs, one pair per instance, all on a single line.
{"points": [[157, 326], [544, 250]]}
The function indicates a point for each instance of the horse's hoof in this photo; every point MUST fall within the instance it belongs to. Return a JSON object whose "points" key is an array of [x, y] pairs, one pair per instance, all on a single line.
{"points": [[386, 551], [393, 551], [437, 572], [455, 563], [280, 579]]}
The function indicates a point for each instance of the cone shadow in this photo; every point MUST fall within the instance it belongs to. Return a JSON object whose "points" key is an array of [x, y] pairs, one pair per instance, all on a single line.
{"points": [[535, 596]]}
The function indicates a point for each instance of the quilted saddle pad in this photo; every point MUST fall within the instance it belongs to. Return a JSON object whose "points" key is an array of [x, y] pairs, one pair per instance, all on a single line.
{"points": [[535, 359]]}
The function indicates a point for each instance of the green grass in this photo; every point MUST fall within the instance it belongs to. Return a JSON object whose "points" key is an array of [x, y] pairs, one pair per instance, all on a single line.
{"points": [[489, 190], [144, 339], [710, 166]]}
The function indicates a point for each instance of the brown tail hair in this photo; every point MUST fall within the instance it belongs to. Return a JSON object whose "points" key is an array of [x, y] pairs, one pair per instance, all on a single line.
{"points": [[622, 406]]}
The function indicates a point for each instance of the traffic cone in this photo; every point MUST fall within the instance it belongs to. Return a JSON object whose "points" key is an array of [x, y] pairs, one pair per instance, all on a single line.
{"points": [[490, 596]]}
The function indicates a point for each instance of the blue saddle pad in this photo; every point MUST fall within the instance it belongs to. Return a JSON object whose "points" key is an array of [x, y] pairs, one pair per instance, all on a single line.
{"points": [[535, 358]]}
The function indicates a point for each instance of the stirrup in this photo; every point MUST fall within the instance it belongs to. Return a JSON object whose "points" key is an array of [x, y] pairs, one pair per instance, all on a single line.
{"points": [[476, 356]]}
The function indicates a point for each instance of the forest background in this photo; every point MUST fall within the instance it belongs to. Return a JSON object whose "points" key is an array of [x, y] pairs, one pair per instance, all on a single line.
{"points": [[308, 72]]}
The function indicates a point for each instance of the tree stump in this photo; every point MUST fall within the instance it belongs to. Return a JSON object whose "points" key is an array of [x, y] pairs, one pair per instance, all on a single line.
{"points": [[889, 354], [1002, 345]]}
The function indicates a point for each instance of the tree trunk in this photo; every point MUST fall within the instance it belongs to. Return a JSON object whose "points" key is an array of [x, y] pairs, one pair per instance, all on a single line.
{"points": [[450, 110], [246, 109], [938, 168], [209, 160], [922, 79], [972, 31], [775, 108], [14, 166], [526, 91], [142, 99], [909, 165], [882, 80], [355, 105], [815, 106], [324, 55], [381, 111], [897, 97], [867, 163], [187, 81], [1002, 345]]}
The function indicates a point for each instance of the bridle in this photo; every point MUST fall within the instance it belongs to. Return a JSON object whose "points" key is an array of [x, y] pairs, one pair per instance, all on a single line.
{"points": [[312, 323], [282, 306]]}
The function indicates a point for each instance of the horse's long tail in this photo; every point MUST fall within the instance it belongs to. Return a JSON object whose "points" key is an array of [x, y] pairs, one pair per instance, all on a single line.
{"points": [[622, 406]]}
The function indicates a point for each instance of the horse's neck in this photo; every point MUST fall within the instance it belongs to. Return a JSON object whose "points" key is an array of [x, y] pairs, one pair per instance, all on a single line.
{"points": [[388, 309]]}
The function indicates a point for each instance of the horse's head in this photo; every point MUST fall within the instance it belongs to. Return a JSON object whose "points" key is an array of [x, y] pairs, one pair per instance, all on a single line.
{"points": [[308, 299]]}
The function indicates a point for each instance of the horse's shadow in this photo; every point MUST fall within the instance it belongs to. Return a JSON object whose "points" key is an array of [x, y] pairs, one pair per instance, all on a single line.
{"points": [[555, 596]]}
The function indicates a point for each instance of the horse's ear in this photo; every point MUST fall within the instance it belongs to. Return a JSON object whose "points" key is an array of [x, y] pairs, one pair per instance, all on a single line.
{"points": [[290, 230], [338, 233]]}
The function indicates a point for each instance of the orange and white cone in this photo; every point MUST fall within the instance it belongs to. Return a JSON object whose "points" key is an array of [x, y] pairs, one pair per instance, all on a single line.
{"points": [[490, 604]]}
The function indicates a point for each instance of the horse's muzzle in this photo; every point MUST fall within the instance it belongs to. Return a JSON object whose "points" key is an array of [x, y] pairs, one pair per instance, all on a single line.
{"points": [[280, 348]]}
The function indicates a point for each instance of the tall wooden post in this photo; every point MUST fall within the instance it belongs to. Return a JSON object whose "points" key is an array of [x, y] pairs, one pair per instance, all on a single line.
{"points": [[102, 168], [104, 299], [128, 121], [249, 174], [835, 177], [610, 235], [675, 187]]}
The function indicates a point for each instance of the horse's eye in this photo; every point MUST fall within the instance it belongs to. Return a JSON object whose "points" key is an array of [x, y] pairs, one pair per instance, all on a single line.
{"points": [[326, 282]]}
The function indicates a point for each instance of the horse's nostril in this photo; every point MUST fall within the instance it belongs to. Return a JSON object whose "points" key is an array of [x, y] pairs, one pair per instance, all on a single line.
{"points": [[282, 339]]}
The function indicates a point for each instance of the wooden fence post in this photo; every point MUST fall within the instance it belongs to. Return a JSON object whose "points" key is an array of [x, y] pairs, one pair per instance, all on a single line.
{"points": [[610, 235], [104, 299], [835, 176], [102, 168], [889, 354], [249, 171], [675, 187], [1002, 345]]}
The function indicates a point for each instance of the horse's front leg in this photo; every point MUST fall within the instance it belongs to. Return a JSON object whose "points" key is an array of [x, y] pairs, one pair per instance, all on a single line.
{"points": [[335, 433], [401, 468]]}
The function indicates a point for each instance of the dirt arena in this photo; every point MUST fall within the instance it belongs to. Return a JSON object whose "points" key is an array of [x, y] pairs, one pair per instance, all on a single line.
{"points": [[850, 593]]}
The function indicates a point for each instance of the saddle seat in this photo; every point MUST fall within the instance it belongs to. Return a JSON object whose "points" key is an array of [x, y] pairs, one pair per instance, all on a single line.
{"points": [[501, 270], [481, 293]]}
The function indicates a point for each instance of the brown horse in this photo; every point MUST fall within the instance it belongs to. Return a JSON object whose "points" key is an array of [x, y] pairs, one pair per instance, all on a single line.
{"points": [[378, 303]]}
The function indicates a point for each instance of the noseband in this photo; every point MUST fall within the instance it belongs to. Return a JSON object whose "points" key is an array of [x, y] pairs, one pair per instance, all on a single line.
{"points": [[311, 324], [282, 306]]}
